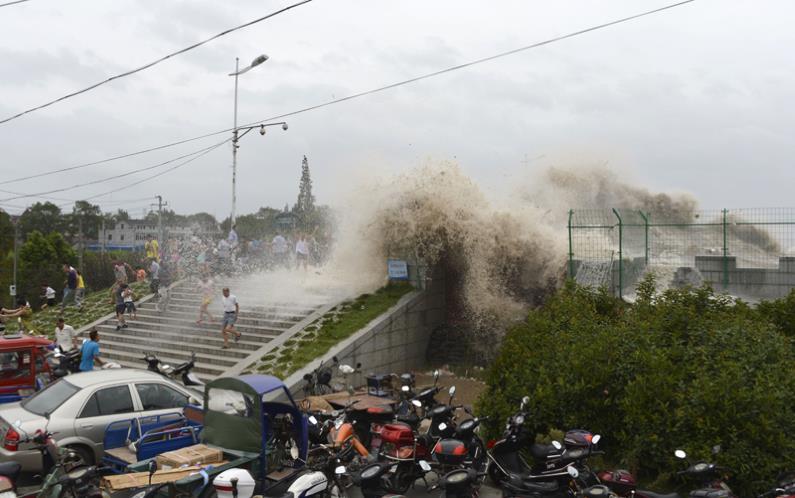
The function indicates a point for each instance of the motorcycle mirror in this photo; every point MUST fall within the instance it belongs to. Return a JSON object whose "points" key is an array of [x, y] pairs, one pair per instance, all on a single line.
{"points": [[347, 369], [308, 376], [152, 467], [335, 359], [294, 452], [680, 454], [351, 390], [525, 401], [573, 472], [312, 420], [452, 391], [416, 403], [358, 366], [435, 375], [425, 466], [557, 445], [595, 439], [716, 449], [405, 389], [340, 470]]}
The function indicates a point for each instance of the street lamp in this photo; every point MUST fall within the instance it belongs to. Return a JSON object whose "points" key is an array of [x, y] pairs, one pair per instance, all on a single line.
{"points": [[256, 62]]}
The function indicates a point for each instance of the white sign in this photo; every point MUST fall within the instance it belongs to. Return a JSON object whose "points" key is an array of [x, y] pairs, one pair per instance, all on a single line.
{"points": [[398, 269], [12, 289]]}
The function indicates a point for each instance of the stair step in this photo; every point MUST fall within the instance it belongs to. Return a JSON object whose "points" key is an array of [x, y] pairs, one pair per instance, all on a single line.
{"points": [[189, 331], [222, 358], [150, 338], [194, 311], [133, 360], [181, 320]]}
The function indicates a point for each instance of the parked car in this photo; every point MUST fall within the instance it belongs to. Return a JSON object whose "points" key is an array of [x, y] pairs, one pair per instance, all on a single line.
{"points": [[78, 408]]}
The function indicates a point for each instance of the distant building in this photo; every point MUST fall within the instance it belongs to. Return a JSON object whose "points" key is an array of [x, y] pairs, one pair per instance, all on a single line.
{"points": [[286, 221], [130, 235]]}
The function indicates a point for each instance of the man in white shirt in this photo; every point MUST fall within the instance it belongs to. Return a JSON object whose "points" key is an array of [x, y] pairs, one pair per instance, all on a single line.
{"points": [[231, 309], [279, 250], [65, 336]]}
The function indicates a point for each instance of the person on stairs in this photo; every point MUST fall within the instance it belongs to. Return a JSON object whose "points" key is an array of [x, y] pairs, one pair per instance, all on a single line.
{"points": [[120, 306], [231, 310]]}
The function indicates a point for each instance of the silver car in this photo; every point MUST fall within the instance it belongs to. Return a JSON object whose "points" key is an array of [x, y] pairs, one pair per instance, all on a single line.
{"points": [[81, 406]]}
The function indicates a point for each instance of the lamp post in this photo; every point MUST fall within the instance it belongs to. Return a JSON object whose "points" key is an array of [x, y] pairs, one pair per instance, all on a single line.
{"points": [[256, 62]]}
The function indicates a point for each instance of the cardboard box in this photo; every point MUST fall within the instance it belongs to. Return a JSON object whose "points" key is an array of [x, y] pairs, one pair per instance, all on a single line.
{"points": [[119, 482], [197, 454]]}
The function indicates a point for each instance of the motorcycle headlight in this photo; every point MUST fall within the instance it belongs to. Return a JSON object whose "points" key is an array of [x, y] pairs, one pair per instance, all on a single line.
{"points": [[457, 477]]}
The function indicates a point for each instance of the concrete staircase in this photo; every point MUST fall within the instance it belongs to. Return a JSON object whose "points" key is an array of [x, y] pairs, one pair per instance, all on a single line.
{"points": [[173, 335]]}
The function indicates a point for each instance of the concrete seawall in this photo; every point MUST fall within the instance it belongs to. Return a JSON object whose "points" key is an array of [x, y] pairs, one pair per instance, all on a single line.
{"points": [[396, 341]]}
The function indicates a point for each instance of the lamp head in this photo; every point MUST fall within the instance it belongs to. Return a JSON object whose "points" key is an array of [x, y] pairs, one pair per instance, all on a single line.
{"points": [[259, 60]]}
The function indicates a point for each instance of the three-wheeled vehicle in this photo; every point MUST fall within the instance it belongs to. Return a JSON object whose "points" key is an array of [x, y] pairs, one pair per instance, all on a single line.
{"points": [[23, 366], [254, 420]]}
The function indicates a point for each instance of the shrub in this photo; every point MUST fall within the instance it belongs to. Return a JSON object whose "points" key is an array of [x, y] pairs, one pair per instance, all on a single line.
{"points": [[682, 369]]}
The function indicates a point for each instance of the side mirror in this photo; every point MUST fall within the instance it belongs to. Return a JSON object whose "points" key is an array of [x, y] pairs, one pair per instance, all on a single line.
{"points": [[416, 403], [573, 472], [405, 389], [595, 439], [151, 468], [557, 445], [525, 402], [435, 376], [294, 452], [716, 449], [335, 359], [452, 391], [358, 366], [307, 377], [680, 454]]}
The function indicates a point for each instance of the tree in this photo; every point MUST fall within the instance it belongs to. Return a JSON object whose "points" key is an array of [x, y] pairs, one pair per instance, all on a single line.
{"points": [[306, 201], [122, 215], [42, 217], [85, 219], [40, 260], [6, 233]]}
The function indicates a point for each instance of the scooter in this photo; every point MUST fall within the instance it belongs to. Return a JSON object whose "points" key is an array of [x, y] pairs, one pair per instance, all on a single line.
{"points": [[459, 483], [181, 372], [373, 481], [64, 363], [549, 461]]}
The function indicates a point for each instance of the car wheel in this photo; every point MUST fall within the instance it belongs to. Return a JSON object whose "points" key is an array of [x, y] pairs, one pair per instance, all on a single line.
{"points": [[85, 454]]}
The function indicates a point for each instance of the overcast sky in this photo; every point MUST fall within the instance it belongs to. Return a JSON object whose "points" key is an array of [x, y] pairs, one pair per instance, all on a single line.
{"points": [[698, 99]]}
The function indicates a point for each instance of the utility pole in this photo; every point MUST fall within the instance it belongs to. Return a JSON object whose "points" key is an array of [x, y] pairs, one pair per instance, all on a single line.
{"points": [[160, 205], [16, 252], [80, 242], [234, 150]]}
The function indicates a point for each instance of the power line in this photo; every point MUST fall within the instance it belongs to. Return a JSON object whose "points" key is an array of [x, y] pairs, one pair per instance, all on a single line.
{"points": [[206, 151], [121, 175], [12, 3], [357, 95], [153, 63]]}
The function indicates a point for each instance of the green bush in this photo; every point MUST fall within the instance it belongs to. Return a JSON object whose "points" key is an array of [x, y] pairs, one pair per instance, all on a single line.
{"points": [[683, 369]]}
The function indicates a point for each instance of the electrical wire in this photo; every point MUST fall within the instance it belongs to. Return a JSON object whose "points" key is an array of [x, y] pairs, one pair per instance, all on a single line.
{"points": [[114, 177], [354, 96], [12, 3], [153, 63], [206, 151]]}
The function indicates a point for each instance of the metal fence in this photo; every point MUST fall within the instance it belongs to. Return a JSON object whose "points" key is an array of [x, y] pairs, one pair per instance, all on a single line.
{"points": [[746, 252]]}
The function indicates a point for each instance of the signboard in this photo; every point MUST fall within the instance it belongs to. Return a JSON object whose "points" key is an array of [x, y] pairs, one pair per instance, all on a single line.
{"points": [[12, 289], [398, 269]]}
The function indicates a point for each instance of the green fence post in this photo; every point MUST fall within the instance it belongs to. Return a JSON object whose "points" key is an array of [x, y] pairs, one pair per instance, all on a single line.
{"points": [[725, 250], [620, 255], [571, 247], [646, 227]]}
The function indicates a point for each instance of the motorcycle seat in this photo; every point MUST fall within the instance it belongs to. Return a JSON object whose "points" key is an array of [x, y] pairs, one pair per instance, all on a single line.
{"points": [[710, 493], [411, 419], [651, 494], [544, 451], [533, 486], [10, 470]]}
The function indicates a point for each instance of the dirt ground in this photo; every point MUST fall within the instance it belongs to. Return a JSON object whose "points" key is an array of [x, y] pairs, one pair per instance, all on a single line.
{"points": [[467, 389]]}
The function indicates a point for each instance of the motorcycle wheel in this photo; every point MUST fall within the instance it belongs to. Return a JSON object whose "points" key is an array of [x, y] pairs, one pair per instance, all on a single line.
{"points": [[403, 478], [495, 474]]}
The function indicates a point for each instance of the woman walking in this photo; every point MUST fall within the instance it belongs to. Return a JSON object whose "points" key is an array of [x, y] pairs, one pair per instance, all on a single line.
{"points": [[206, 290]]}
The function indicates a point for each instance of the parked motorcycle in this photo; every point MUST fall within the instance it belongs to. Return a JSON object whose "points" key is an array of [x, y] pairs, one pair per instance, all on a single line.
{"points": [[66, 475], [319, 381], [373, 480], [181, 372], [64, 363], [459, 483]]}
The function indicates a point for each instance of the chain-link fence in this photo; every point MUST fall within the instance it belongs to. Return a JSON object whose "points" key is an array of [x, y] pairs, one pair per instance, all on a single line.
{"points": [[746, 252]]}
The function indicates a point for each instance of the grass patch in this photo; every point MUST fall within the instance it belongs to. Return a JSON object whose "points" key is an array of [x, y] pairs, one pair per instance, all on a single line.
{"points": [[336, 325], [95, 305]]}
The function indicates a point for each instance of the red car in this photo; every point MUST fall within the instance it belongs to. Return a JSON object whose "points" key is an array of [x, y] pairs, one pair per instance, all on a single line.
{"points": [[23, 366]]}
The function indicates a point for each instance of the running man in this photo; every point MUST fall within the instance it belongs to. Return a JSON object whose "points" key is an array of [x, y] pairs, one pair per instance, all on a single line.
{"points": [[120, 306], [231, 309], [80, 293], [129, 303], [206, 289], [301, 252], [70, 286]]}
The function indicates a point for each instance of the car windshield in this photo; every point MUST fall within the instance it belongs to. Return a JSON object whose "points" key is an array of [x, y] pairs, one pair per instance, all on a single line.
{"points": [[50, 398]]}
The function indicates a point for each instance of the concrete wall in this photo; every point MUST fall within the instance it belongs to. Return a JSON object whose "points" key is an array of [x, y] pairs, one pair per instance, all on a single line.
{"points": [[396, 341], [759, 283]]}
